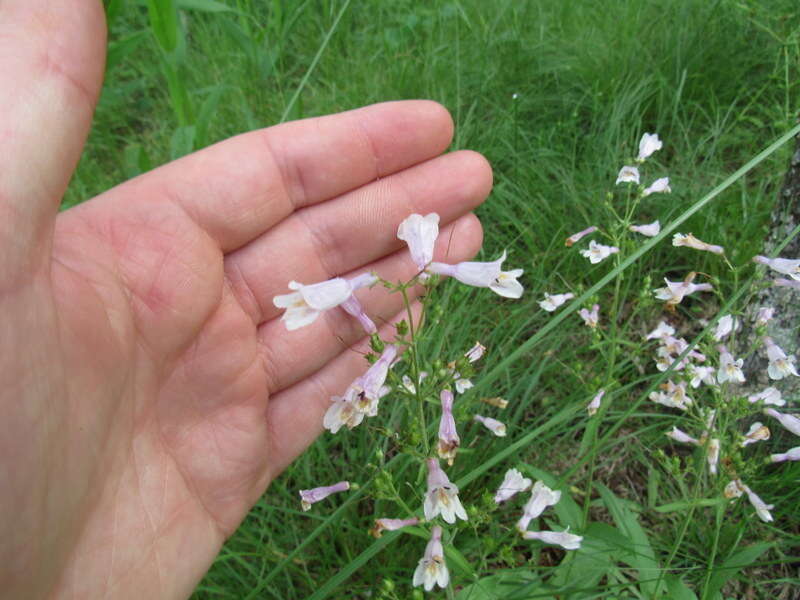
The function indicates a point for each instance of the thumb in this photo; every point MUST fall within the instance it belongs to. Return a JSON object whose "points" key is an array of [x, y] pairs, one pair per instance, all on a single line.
{"points": [[52, 54]]}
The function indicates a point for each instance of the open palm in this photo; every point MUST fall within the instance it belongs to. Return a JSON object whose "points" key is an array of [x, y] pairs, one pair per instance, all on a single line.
{"points": [[150, 392]]}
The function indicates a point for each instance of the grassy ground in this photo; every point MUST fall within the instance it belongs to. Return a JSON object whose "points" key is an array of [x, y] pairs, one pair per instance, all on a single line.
{"points": [[556, 95]]}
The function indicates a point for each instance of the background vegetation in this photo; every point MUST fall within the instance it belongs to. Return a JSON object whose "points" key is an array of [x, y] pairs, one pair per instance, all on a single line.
{"points": [[555, 94]]}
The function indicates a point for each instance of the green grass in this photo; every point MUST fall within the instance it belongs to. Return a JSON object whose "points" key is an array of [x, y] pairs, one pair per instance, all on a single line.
{"points": [[717, 80]]}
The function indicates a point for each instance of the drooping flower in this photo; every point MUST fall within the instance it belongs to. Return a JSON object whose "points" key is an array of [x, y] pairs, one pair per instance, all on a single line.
{"points": [[660, 185], [420, 234], [793, 454], [765, 315], [647, 145], [493, 425], [789, 422], [442, 496], [553, 301], [475, 353], [762, 509], [725, 326], [688, 240], [780, 365], [353, 307], [307, 302], [790, 283], [594, 405], [713, 455], [768, 395], [410, 385], [576, 237], [598, 252], [513, 483], [432, 570], [682, 437], [756, 433], [568, 541], [382, 525], [541, 497], [730, 369], [483, 274], [309, 497], [628, 174], [649, 229], [785, 266], [590, 318], [448, 436], [678, 290], [662, 330]]}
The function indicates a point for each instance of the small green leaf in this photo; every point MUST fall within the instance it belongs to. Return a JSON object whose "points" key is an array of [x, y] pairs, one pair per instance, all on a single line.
{"points": [[677, 590], [732, 565]]}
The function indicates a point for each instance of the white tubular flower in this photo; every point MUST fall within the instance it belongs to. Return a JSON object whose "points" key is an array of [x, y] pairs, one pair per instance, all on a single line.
{"points": [[734, 489], [493, 425], [594, 405], [765, 315], [725, 326], [790, 283], [730, 369], [382, 525], [409, 385], [309, 497], [513, 483], [484, 274], [462, 384], [678, 290], [541, 497], [658, 186], [353, 307], [576, 237], [785, 266], [756, 433], [343, 410], [713, 455], [780, 365], [762, 509], [682, 437], [647, 145], [442, 496], [688, 240], [649, 229], [662, 330], [769, 395], [700, 375], [672, 396], [475, 353], [598, 252], [448, 436], [568, 541], [308, 302], [793, 454], [628, 174], [789, 422], [420, 234], [432, 570], [590, 318], [553, 301]]}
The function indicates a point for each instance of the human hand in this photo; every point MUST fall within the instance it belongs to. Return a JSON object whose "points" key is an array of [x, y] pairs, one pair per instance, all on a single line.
{"points": [[150, 391]]}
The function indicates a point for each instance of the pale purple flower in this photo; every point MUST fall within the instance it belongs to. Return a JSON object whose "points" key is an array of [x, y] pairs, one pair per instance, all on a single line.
{"points": [[541, 497], [409, 385], [493, 425], [713, 455], [308, 302], [780, 365], [730, 369], [598, 252], [682, 437], [594, 405], [448, 436], [483, 274], [658, 186], [790, 283], [789, 422], [688, 240], [590, 318], [725, 326], [662, 330], [628, 174], [702, 374], [420, 234], [756, 433], [309, 497], [672, 396], [568, 541], [762, 509], [353, 307], [382, 525], [513, 483], [649, 229], [785, 266], [462, 384], [678, 290], [647, 145], [793, 454], [576, 237], [432, 570], [768, 395], [475, 353], [553, 301], [765, 315], [442, 496]]}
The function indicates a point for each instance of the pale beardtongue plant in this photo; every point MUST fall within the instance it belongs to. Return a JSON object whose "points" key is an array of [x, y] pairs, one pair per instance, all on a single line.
{"points": [[705, 384]]}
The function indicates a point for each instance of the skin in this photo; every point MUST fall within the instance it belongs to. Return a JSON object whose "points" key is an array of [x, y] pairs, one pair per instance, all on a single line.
{"points": [[150, 391]]}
